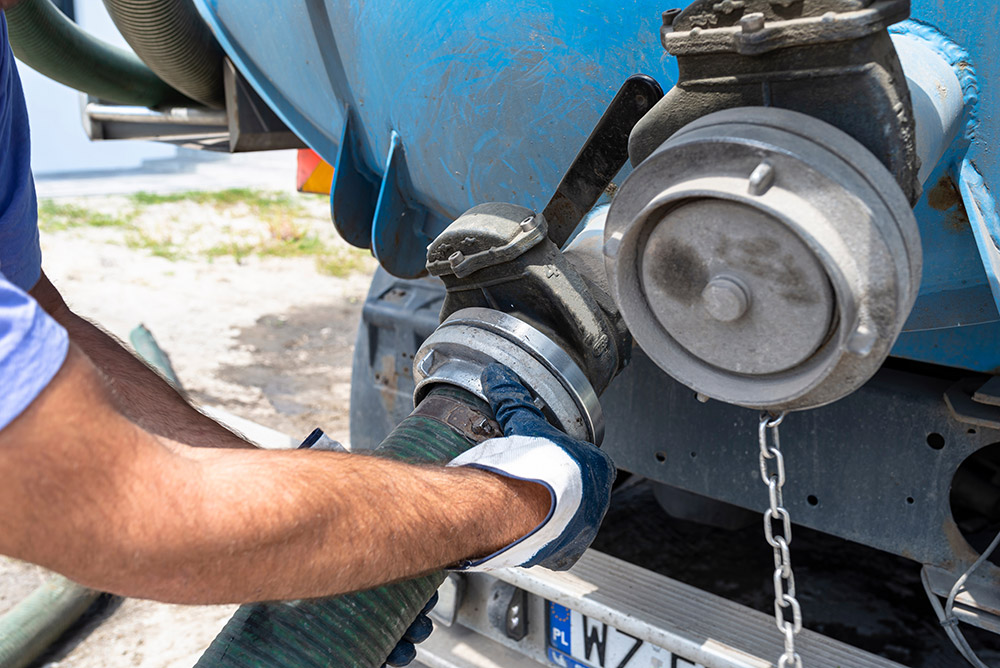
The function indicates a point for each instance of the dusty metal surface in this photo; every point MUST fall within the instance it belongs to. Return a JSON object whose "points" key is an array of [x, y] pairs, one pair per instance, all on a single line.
{"points": [[763, 258], [497, 256], [798, 55], [470, 339]]}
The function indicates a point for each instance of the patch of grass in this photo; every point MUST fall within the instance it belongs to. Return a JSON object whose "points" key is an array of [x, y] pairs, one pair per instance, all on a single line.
{"points": [[167, 249], [343, 263], [262, 203], [294, 247], [55, 217], [233, 249]]}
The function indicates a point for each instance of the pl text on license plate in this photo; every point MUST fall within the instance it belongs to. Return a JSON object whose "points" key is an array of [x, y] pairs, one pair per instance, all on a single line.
{"points": [[576, 641]]}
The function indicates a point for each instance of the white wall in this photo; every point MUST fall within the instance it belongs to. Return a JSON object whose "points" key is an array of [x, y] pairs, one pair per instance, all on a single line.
{"points": [[59, 144]]}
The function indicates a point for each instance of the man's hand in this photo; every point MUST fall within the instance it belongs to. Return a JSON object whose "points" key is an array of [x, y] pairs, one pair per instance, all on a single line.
{"points": [[577, 475]]}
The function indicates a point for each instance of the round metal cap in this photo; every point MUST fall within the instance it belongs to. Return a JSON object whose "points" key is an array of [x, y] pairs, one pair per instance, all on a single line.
{"points": [[763, 258], [736, 287]]}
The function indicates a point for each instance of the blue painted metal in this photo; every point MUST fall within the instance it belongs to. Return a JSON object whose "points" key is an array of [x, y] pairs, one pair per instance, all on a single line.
{"points": [[400, 229], [493, 98], [354, 194]]}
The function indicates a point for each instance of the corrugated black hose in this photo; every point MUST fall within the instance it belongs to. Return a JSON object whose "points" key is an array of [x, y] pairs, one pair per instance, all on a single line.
{"points": [[355, 630], [172, 38]]}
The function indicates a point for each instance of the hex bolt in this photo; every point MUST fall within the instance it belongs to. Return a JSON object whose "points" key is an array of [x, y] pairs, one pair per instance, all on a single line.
{"points": [[669, 16], [456, 259], [725, 299], [761, 179], [752, 22], [529, 224], [482, 428]]}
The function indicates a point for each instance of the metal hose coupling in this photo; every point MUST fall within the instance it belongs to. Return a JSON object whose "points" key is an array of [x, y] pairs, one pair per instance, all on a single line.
{"points": [[472, 338], [515, 298]]}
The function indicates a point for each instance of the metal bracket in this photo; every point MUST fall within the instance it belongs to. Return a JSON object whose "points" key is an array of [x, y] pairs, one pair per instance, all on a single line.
{"points": [[977, 604], [603, 155], [253, 126], [971, 401], [399, 240], [355, 191]]}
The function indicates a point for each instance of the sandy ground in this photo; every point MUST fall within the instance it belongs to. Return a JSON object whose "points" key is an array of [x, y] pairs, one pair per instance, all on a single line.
{"points": [[265, 338]]}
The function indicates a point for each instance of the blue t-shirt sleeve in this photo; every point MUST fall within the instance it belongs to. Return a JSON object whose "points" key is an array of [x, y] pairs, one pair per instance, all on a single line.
{"points": [[32, 349], [20, 254], [32, 345]]}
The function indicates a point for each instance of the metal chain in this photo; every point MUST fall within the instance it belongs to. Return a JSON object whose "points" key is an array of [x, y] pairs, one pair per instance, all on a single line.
{"points": [[784, 579]]}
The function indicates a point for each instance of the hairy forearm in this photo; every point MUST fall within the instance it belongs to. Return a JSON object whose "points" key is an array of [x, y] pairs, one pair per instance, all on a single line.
{"points": [[92, 495], [277, 525], [139, 393]]}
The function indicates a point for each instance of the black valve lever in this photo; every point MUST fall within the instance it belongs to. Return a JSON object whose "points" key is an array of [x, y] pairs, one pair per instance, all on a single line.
{"points": [[602, 156]]}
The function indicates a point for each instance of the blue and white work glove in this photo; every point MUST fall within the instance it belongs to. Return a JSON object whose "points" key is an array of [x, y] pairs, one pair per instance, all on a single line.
{"points": [[577, 474], [405, 651]]}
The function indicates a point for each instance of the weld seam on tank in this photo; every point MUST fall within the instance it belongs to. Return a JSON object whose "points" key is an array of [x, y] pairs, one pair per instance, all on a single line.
{"points": [[943, 88], [44, 39], [175, 42]]}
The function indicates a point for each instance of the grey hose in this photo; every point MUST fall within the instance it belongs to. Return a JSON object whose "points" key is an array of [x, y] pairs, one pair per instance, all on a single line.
{"points": [[32, 625], [45, 40], [170, 37]]}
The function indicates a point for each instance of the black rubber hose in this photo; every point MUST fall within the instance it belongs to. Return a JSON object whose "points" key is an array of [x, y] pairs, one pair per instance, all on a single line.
{"points": [[355, 630], [45, 40], [171, 37]]}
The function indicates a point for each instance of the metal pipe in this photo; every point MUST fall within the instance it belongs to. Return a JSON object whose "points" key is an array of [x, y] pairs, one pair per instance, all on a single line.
{"points": [[169, 116], [939, 105]]}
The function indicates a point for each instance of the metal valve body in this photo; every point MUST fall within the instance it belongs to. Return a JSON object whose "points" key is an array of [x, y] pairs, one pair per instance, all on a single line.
{"points": [[763, 258]]}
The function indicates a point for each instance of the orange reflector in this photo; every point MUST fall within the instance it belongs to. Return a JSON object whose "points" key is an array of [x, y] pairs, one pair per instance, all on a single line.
{"points": [[314, 174]]}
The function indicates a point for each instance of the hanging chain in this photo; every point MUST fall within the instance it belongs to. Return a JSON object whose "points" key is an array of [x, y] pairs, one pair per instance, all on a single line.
{"points": [[777, 514]]}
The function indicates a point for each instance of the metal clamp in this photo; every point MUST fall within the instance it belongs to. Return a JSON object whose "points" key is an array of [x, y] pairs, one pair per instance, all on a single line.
{"points": [[469, 340]]}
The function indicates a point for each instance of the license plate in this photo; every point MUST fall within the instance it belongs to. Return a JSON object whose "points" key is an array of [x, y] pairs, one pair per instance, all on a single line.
{"points": [[576, 641]]}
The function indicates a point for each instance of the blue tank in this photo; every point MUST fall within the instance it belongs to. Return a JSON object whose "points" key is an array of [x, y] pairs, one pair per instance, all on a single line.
{"points": [[427, 109]]}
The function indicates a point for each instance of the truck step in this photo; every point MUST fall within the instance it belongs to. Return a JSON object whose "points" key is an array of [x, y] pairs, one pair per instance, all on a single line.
{"points": [[691, 628]]}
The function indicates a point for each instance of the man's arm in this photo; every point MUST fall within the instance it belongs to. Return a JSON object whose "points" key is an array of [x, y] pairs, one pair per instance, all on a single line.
{"points": [[90, 494], [139, 393]]}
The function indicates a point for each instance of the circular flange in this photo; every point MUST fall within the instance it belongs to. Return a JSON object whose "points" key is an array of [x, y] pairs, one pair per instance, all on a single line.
{"points": [[470, 339], [755, 251], [726, 280]]}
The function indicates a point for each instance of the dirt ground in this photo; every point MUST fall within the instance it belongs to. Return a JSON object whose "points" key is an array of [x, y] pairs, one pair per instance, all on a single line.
{"points": [[256, 305]]}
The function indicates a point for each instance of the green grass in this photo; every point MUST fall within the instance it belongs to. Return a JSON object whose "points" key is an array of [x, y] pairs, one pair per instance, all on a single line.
{"points": [[54, 217], [259, 201], [343, 263], [278, 211], [167, 249]]}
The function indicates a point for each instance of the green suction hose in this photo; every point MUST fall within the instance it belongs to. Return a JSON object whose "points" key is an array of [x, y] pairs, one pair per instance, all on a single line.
{"points": [[355, 630], [36, 622], [45, 40]]}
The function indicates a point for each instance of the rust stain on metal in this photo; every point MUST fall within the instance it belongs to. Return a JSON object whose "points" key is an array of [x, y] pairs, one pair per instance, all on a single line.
{"points": [[944, 196]]}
